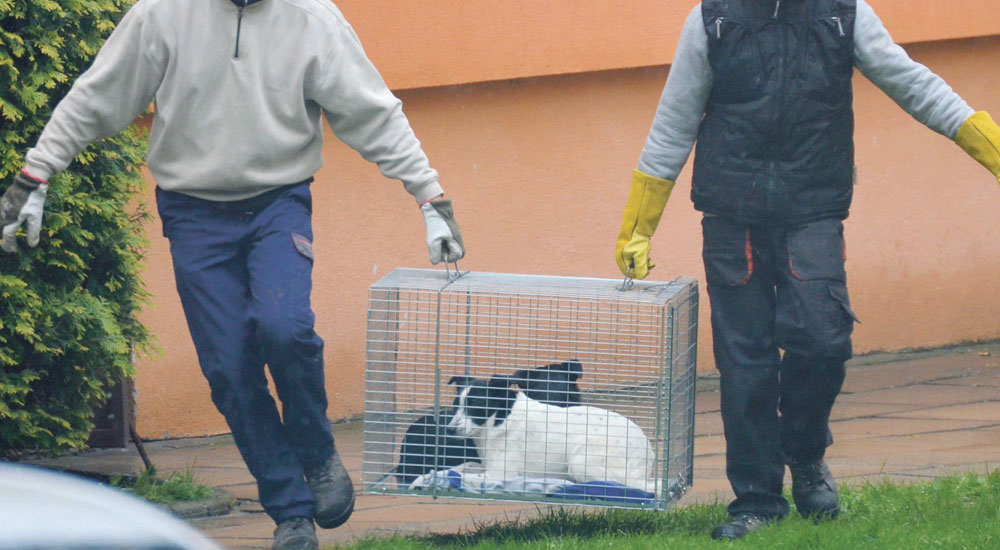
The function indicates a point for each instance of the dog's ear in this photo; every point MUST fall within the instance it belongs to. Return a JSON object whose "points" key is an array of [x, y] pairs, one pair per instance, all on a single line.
{"points": [[500, 396], [460, 381], [522, 376], [574, 367]]}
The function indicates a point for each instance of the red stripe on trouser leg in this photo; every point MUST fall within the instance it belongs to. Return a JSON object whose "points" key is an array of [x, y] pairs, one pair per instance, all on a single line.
{"points": [[748, 249]]}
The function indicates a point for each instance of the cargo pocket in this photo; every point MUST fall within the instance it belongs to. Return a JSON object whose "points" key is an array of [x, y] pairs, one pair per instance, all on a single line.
{"points": [[842, 311], [816, 251], [727, 252], [303, 245]]}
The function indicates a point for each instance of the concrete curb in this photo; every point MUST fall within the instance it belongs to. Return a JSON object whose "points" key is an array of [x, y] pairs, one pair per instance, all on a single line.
{"points": [[219, 503]]}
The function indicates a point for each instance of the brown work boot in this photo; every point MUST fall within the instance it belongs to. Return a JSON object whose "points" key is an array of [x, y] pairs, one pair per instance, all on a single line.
{"points": [[334, 492], [814, 491], [295, 534]]}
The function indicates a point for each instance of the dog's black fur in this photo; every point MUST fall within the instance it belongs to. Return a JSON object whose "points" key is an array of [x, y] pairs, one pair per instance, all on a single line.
{"points": [[555, 384]]}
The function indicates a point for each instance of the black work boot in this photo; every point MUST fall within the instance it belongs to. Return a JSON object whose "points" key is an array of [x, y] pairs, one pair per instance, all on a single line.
{"points": [[295, 534], [334, 492], [740, 525], [814, 491]]}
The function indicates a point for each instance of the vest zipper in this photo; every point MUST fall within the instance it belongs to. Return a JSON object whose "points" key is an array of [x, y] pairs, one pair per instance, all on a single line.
{"points": [[239, 24], [777, 6], [718, 28], [840, 26]]}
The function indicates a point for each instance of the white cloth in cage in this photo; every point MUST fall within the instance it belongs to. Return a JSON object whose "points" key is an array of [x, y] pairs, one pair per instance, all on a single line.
{"points": [[470, 478]]}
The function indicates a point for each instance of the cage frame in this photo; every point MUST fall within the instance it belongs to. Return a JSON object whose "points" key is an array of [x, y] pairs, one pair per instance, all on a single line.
{"points": [[682, 291]]}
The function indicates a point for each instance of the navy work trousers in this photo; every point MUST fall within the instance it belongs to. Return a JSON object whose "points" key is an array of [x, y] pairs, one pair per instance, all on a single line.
{"points": [[781, 328], [244, 275]]}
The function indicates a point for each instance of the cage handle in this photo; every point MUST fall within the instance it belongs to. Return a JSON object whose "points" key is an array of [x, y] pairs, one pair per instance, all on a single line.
{"points": [[453, 275], [628, 282]]}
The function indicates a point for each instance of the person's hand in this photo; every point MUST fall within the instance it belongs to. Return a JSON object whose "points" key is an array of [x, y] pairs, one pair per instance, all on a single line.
{"points": [[646, 201], [979, 136], [22, 203], [444, 239], [635, 255]]}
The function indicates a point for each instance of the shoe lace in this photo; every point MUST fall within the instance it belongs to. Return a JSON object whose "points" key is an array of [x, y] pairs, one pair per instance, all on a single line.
{"points": [[295, 525], [321, 473], [748, 519]]}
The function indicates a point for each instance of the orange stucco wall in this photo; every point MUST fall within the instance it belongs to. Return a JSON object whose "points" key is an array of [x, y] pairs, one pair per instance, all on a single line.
{"points": [[436, 42], [539, 170]]}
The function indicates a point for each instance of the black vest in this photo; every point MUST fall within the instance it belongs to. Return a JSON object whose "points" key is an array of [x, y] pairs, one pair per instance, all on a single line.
{"points": [[776, 144]]}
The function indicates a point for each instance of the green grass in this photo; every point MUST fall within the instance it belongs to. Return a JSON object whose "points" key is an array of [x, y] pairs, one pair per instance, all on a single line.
{"points": [[956, 512], [178, 486]]}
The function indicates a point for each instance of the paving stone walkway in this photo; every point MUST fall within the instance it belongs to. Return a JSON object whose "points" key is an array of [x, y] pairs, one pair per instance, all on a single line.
{"points": [[903, 416]]}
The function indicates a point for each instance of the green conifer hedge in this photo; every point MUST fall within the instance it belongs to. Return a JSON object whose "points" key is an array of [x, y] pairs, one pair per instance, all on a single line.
{"points": [[68, 307]]}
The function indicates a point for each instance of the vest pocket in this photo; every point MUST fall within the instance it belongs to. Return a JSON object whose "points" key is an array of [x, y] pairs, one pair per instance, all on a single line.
{"points": [[735, 48]]}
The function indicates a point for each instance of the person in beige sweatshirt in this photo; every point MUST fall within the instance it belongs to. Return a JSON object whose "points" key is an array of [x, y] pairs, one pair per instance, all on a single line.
{"points": [[241, 88]]}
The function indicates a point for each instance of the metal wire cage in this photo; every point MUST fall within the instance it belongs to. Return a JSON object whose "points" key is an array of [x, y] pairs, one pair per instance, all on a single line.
{"points": [[629, 352]]}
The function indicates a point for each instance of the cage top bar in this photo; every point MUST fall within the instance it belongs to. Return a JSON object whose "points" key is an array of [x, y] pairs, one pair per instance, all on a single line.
{"points": [[508, 283]]}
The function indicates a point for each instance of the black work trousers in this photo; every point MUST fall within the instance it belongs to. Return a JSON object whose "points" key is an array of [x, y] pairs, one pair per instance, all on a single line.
{"points": [[781, 325]]}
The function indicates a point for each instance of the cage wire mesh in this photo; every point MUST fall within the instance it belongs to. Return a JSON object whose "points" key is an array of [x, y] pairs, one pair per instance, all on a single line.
{"points": [[627, 354]]}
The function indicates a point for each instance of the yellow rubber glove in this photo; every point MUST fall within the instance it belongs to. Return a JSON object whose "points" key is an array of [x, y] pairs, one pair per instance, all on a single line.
{"points": [[646, 200], [980, 137]]}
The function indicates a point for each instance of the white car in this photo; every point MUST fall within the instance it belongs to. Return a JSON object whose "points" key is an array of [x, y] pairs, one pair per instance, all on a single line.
{"points": [[43, 509]]}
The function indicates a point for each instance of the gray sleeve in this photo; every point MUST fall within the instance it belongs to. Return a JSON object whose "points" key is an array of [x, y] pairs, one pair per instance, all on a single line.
{"points": [[368, 117], [920, 92], [119, 85], [682, 104]]}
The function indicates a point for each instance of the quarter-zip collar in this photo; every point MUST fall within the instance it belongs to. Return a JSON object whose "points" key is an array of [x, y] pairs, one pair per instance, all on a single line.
{"points": [[240, 6]]}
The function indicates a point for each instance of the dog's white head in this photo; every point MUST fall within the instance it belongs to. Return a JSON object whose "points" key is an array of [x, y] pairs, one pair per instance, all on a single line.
{"points": [[481, 404]]}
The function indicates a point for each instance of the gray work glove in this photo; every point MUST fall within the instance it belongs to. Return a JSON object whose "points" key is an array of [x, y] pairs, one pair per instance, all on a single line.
{"points": [[22, 203], [444, 240]]}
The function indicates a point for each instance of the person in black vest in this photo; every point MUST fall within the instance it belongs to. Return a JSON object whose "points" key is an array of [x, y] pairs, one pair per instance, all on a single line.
{"points": [[764, 88]]}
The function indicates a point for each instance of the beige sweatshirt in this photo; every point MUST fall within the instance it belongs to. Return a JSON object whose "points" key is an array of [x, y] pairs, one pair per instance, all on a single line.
{"points": [[228, 126]]}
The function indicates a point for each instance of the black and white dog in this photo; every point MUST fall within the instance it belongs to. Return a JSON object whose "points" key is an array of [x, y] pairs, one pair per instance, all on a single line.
{"points": [[427, 445], [516, 435]]}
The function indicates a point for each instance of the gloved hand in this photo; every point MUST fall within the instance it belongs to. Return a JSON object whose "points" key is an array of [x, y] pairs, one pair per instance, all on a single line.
{"points": [[646, 200], [444, 240], [979, 136], [22, 202]]}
